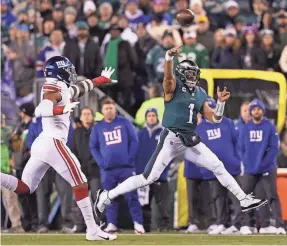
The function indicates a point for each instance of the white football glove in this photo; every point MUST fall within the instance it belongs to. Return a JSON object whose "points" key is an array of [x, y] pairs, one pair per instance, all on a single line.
{"points": [[69, 108], [107, 72]]}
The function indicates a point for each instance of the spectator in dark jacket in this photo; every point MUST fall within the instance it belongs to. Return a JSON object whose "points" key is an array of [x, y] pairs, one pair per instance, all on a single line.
{"points": [[23, 61], [231, 13], [226, 55], [272, 50], [121, 56], [267, 23], [250, 54], [282, 28], [70, 16], [96, 32], [58, 16], [144, 44], [80, 146], [148, 137], [204, 35], [28, 201], [84, 53]]}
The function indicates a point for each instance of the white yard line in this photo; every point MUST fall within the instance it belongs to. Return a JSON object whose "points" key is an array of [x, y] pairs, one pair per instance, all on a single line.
{"points": [[159, 245], [144, 235]]}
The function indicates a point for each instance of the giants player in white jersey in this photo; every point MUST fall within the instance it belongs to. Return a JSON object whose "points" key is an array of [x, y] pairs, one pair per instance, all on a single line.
{"points": [[50, 149]]}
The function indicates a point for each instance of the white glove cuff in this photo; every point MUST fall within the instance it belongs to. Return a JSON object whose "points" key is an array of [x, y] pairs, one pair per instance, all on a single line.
{"points": [[168, 57], [219, 110]]}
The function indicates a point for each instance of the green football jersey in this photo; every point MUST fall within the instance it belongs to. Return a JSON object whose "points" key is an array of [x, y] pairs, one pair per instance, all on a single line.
{"points": [[156, 58], [181, 111], [197, 53]]}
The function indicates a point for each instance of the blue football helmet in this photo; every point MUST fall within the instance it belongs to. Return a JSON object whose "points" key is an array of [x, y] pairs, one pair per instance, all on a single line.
{"points": [[60, 67]]}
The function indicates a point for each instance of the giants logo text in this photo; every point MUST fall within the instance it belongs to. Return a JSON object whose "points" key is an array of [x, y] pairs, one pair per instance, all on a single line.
{"points": [[113, 137]]}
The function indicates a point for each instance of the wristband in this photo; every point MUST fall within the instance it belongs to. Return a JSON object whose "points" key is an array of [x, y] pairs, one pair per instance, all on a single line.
{"points": [[101, 80], [58, 110], [219, 108], [168, 57]]}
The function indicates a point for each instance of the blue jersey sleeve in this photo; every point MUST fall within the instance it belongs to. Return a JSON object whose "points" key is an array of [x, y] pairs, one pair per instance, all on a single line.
{"points": [[241, 144], [133, 140], [95, 146], [32, 134], [235, 136], [273, 147]]}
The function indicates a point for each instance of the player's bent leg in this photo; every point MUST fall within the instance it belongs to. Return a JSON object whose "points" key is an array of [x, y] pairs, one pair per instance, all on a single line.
{"points": [[204, 157], [67, 165], [31, 177], [163, 155], [13, 184]]}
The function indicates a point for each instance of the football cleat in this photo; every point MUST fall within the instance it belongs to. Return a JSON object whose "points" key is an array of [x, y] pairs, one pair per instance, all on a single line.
{"points": [[111, 228], [281, 230], [217, 230], [191, 228], [245, 230], [139, 229], [100, 235], [250, 202], [230, 230], [268, 230], [102, 201]]}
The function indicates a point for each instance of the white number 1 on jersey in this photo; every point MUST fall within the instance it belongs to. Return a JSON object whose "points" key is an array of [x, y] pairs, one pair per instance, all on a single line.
{"points": [[191, 107]]}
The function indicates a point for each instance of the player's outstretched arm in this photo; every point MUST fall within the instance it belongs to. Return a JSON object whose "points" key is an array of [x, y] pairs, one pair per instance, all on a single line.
{"points": [[169, 82], [82, 87], [215, 116], [47, 108]]}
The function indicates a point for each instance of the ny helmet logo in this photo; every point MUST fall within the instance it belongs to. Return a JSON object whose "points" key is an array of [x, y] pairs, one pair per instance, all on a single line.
{"points": [[256, 135], [213, 134], [60, 64], [113, 137]]}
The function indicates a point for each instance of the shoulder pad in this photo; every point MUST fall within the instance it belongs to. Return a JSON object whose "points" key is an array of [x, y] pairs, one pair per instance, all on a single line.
{"points": [[51, 87], [202, 90]]}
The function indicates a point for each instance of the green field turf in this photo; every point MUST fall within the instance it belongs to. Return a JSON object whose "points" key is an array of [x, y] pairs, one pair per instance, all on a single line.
{"points": [[147, 239]]}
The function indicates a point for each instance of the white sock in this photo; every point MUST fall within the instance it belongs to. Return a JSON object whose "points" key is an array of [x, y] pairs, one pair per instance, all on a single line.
{"points": [[229, 182], [8, 181], [130, 184], [87, 212]]}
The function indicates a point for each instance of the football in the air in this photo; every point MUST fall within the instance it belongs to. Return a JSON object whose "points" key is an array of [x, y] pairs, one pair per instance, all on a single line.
{"points": [[185, 17]]}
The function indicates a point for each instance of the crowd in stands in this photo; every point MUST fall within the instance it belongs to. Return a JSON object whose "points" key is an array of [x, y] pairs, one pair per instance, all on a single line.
{"points": [[131, 36]]}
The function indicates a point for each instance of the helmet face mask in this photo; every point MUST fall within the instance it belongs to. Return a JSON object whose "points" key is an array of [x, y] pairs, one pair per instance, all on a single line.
{"points": [[72, 74], [188, 73], [191, 78]]}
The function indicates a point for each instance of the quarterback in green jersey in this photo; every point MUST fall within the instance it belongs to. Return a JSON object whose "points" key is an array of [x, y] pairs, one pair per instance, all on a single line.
{"points": [[184, 98]]}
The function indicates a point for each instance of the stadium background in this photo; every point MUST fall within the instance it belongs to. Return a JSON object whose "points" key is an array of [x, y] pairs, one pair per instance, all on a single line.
{"points": [[23, 24]]}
